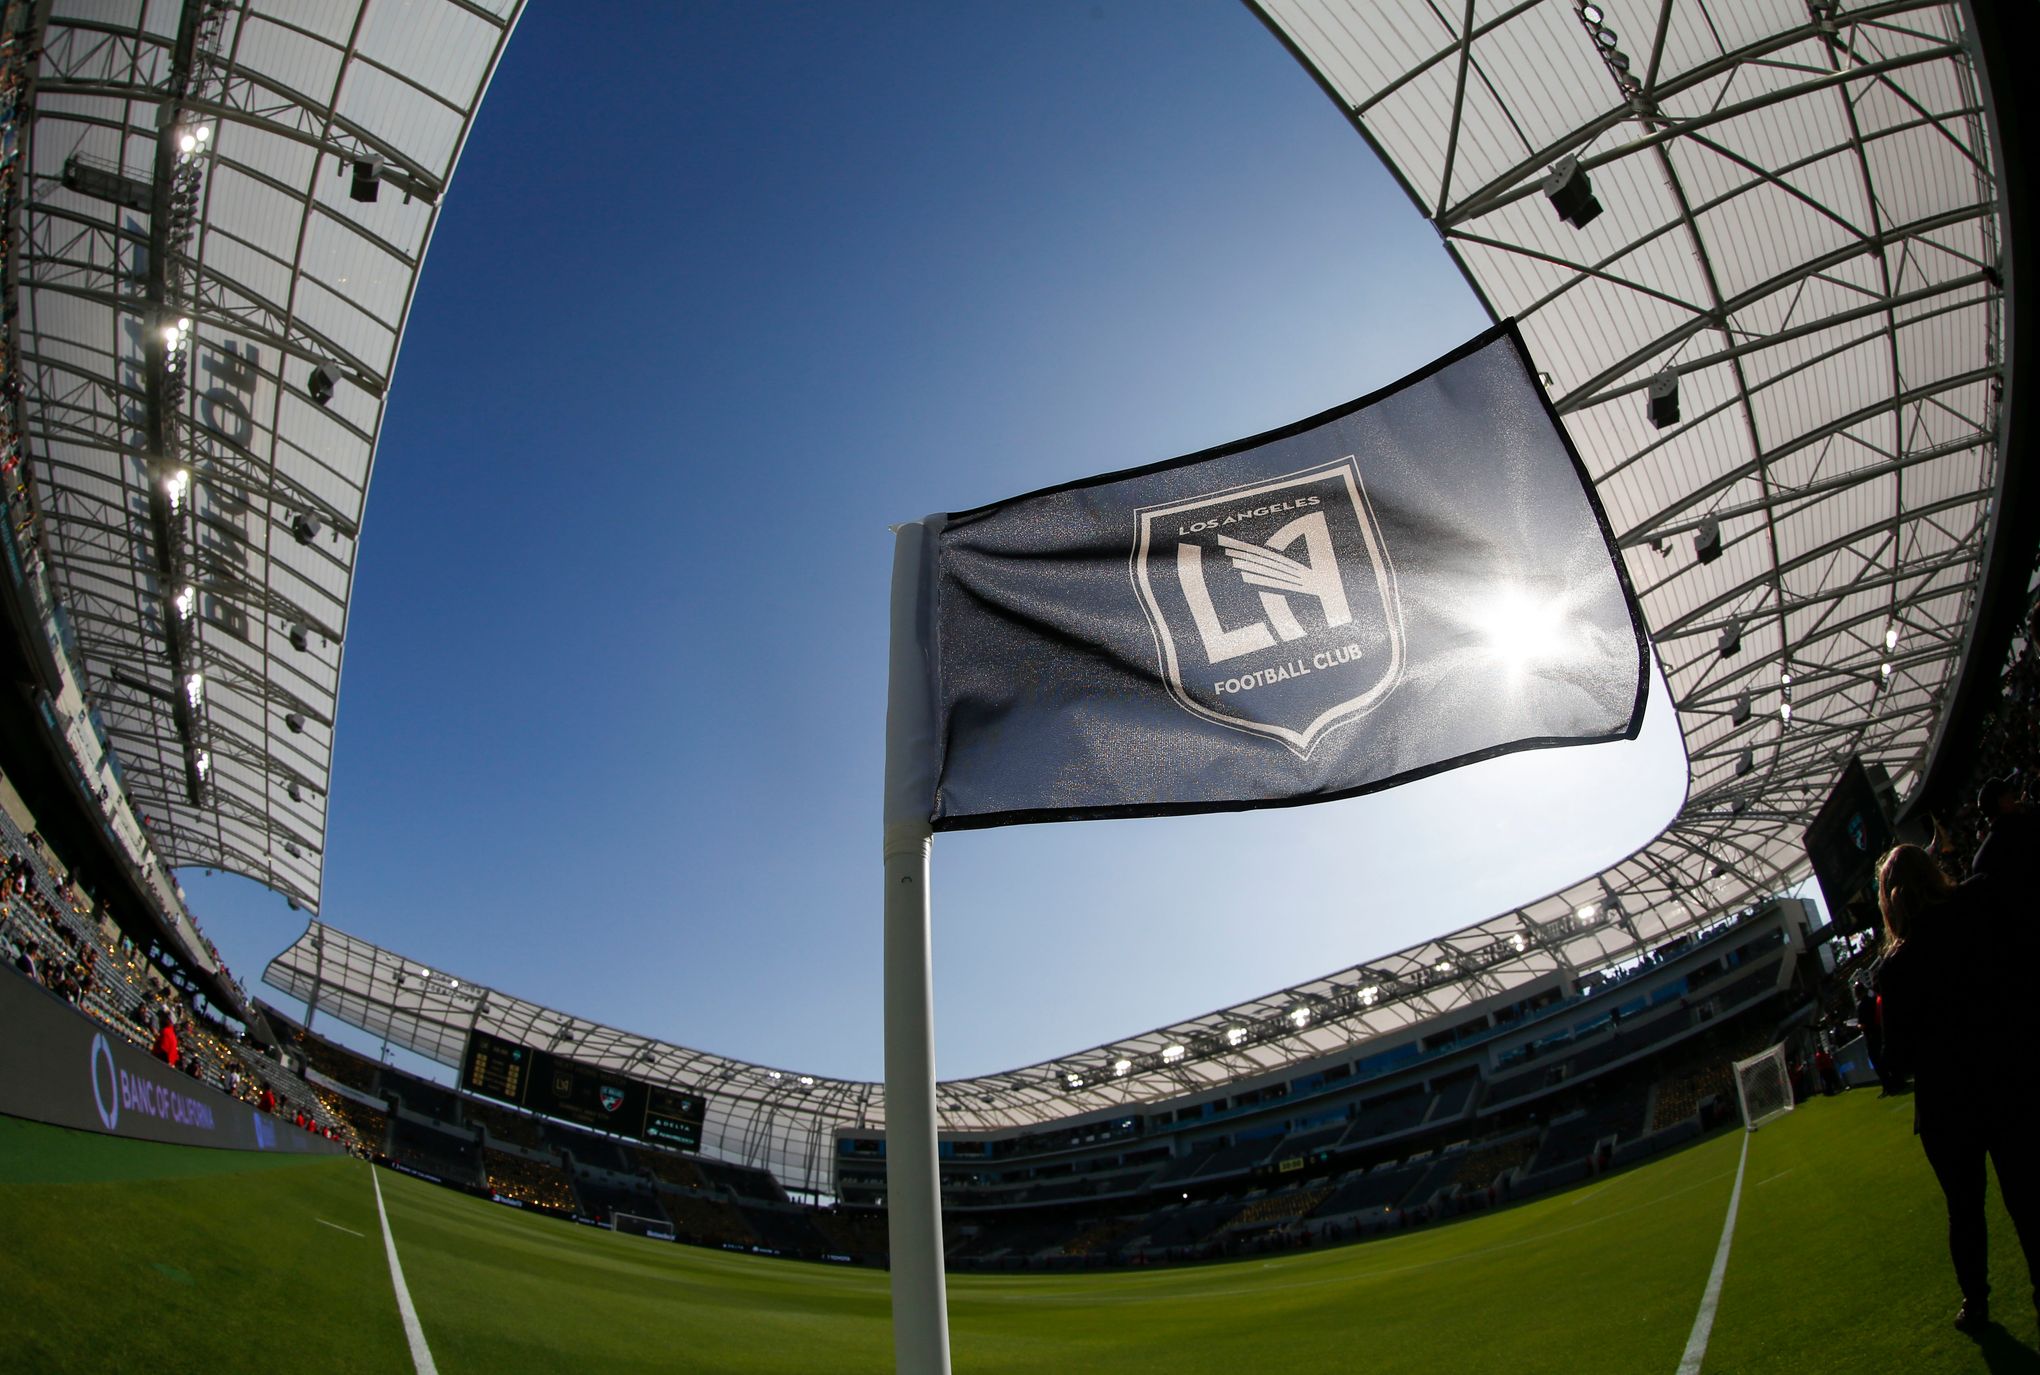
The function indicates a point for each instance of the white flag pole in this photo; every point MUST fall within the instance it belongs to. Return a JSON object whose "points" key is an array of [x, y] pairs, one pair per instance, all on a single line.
{"points": [[913, 1188]]}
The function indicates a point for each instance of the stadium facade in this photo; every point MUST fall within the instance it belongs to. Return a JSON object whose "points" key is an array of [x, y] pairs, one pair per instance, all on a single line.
{"points": [[1764, 256]]}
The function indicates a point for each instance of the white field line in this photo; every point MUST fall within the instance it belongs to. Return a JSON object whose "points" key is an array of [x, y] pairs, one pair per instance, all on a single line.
{"points": [[1769, 1177], [421, 1354], [336, 1227], [1710, 1298]]}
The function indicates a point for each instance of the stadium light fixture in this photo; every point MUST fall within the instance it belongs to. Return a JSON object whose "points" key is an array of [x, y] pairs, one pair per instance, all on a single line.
{"points": [[185, 602], [1785, 712], [1891, 637], [1299, 1017], [321, 384], [1122, 1067], [300, 639], [1520, 943], [367, 182], [1172, 1054], [1444, 968], [1235, 1035], [1587, 913], [1745, 763], [1740, 712], [202, 763], [1571, 194], [1370, 995], [194, 690], [304, 528], [1591, 13], [1706, 539], [1730, 643], [1664, 396], [177, 488], [187, 142], [295, 721]]}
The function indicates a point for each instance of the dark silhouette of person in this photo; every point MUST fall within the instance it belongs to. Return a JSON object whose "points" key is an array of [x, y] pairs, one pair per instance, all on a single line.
{"points": [[1953, 1020], [2011, 852]]}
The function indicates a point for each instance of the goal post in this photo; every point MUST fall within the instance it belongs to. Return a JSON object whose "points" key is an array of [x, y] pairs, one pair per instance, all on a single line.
{"points": [[1763, 1087], [638, 1225]]}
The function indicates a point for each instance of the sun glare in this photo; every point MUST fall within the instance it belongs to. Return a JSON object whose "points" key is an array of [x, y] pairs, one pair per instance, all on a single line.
{"points": [[1520, 628]]}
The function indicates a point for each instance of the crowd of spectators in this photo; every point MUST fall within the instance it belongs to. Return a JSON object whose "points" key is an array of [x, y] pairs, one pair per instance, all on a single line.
{"points": [[57, 936], [534, 1183]]}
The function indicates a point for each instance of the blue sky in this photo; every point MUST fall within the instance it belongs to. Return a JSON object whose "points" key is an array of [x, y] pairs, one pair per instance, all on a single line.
{"points": [[719, 291]]}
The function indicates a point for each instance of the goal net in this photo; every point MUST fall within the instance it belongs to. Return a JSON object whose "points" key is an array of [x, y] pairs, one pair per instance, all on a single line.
{"points": [[1763, 1086], [637, 1225]]}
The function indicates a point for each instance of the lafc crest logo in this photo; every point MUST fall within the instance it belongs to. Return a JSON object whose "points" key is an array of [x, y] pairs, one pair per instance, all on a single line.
{"points": [[1273, 605]]}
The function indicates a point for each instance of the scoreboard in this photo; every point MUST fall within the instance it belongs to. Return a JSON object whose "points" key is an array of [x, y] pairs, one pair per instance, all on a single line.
{"points": [[592, 1097], [496, 1067]]}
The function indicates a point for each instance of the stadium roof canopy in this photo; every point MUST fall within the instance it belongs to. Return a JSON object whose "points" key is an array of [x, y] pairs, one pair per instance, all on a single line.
{"points": [[1799, 222], [201, 489]]}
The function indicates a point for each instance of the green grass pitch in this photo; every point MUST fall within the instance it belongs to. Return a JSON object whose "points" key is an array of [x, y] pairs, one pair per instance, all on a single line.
{"points": [[128, 1257]]}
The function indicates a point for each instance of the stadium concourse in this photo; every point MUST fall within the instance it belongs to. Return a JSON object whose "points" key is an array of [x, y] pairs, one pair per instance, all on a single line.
{"points": [[1765, 257]]}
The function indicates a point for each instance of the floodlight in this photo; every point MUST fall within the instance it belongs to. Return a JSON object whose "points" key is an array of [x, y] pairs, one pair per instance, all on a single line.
{"points": [[1890, 638], [295, 721], [194, 690], [184, 324], [1591, 13], [1370, 995], [1745, 762], [807, 1081], [292, 790], [1785, 712], [202, 763], [1730, 643], [320, 385], [1664, 399], [1299, 1017], [170, 336], [1235, 1035], [1707, 540], [1570, 193], [202, 132], [1444, 968], [1518, 941], [185, 602], [304, 527], [1171, 1054], [187, 143], [367, 183], [1122, 1068], [1884, 670], [300, 639], [1588, 914]]}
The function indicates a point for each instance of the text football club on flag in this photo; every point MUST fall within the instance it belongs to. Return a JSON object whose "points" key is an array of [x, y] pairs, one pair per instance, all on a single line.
{"points": [[1414, 581]]}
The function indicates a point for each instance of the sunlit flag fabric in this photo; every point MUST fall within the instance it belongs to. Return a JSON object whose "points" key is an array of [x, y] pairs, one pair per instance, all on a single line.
{"points": [[1415, 581]]}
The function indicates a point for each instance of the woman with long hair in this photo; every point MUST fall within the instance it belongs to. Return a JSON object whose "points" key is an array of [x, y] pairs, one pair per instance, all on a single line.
{"points": [[1952, 1019]]}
